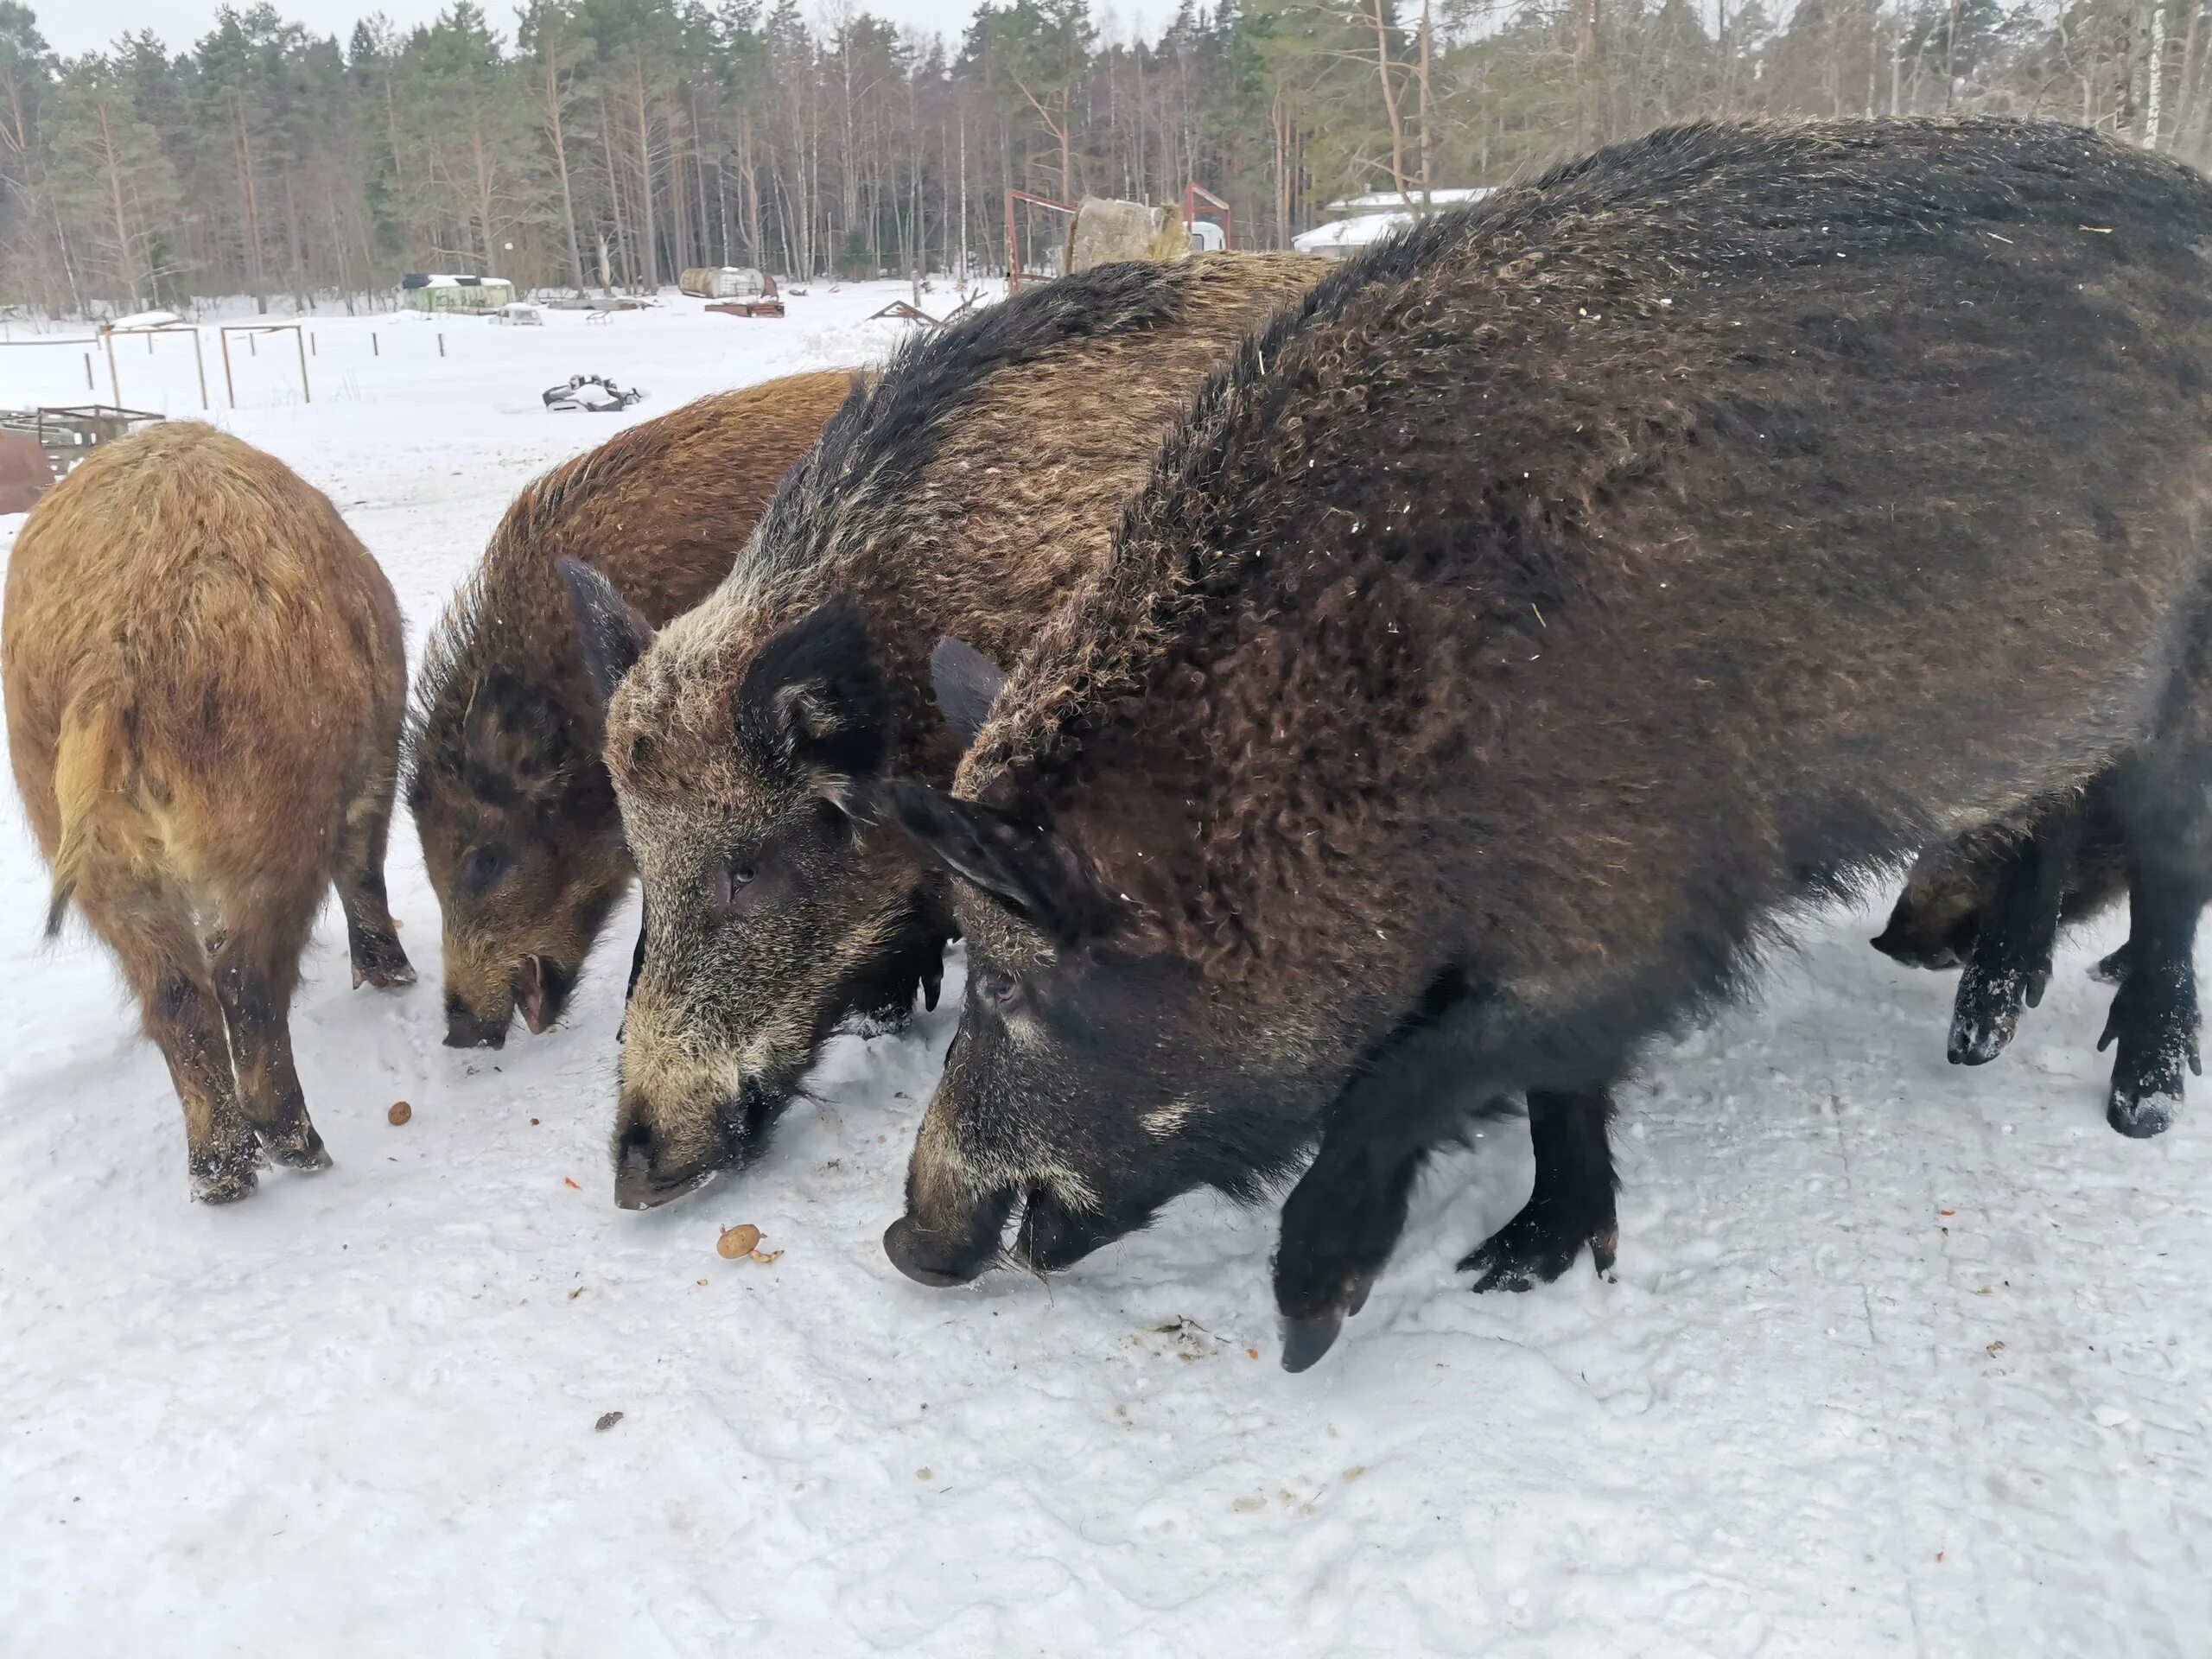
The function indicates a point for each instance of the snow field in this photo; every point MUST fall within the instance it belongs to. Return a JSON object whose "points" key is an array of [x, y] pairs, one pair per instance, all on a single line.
{"points": [[1900, 1358]]}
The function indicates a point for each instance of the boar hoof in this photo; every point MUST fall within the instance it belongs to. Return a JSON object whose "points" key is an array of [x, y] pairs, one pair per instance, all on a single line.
{"points": [[1988, 1011], [2153, 1021], [301, 1148], [2140, 1117], [1535, 1248], [1360, 1288], [379, 960], [1306, 1340], [2112, 968], [226, 1182]]}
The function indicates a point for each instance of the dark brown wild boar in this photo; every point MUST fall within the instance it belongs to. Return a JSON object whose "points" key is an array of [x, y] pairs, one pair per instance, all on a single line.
{"points": [[966, 494], [518, 822], [1993, 901], [1951, 892], [205, 681], [1516, 634]]}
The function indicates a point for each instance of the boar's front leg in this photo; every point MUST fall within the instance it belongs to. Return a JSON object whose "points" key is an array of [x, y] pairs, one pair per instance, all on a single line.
{"points": [[1572, 1203], [2010, 964], [1343, 1218]]}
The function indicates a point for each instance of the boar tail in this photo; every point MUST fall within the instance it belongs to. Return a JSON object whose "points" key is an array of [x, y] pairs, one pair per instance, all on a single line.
{"points": [[88, 762]]}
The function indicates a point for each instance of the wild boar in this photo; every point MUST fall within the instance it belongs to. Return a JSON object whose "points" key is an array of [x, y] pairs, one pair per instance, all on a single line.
{"points": [[518, 821], [205, 680], [1995, 900], [1952, 890], [965, 494], [1514, 635]]}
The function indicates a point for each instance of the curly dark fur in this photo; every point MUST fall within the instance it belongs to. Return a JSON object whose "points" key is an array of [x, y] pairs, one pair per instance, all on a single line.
{"points": [[1557, 600]]}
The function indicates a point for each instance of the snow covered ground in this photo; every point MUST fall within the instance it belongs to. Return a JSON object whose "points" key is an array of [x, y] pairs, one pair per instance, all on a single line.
{"points": [[1901, 1358]]}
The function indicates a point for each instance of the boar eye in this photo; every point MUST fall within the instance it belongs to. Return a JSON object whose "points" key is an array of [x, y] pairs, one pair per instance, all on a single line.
{"points": [[1001, 990], [482, 867], [732, 881]]}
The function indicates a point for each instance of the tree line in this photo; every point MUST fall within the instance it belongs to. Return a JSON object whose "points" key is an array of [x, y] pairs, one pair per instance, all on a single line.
{"points": [[611, 142]]}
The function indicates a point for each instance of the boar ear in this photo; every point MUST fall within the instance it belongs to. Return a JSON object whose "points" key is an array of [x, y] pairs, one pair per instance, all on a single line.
{"points": [[966, 683], [514, 743], [615, 636], [1031, 871], [813, 704]]}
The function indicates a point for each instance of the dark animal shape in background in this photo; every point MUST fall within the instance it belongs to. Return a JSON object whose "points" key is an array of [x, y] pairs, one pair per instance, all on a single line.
{"points": [[1995, 900], [1518, 632], [968, 493], [1951, 892], [205, 681], [518, 821]]}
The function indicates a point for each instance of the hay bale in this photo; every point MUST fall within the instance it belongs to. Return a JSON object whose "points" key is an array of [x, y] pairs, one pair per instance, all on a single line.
{"points": [[1104, 231]]}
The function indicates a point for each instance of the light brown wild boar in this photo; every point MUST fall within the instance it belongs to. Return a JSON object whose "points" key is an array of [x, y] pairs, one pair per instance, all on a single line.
{"points": [[518, 824], [978, 483], [205, 681]]}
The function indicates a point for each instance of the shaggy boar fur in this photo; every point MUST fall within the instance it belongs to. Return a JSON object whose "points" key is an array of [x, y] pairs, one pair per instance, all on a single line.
{"points": [[1519, 632], [965, 494], [518, 821], [205, 681]]}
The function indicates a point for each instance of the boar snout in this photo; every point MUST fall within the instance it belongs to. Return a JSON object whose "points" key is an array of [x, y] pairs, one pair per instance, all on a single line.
{"points": [[465, 1028], [953, 1250]]}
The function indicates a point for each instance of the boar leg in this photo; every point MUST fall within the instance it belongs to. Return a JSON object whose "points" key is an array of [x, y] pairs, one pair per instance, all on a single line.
{"points": [[154, 940], [2154, 1016], [1343, 1218], [2160, 801], [2010, 965], [370, 940], [255, 974], [1572, 1203], [2153, 1021]]}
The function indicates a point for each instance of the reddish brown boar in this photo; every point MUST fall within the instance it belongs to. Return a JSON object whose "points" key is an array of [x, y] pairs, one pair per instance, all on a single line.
{"points": [[205, 682], [518, 821]]}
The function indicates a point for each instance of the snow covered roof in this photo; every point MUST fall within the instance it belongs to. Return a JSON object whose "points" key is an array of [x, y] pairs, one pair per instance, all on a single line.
{"points": [[1382, 201], [146, 320], [1346, 235], [447, 279]]}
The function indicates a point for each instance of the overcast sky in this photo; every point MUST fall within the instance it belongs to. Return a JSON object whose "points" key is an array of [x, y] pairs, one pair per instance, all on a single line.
{"points": [[74, 26]]}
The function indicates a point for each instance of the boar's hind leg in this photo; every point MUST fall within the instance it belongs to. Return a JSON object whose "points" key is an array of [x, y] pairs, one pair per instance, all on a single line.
{"points": [[2168, 825], [2010, 964], [1572, 1203], [160, 956], [255, 970], [370, 940]]}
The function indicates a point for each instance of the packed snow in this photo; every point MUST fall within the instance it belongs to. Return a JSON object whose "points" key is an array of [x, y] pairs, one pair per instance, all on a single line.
{"points": [[1900, 1358]]}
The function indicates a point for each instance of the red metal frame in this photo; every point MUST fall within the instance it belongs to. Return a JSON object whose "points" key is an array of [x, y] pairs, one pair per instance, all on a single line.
{"points": [[1192, 195], [1015, 276]]}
